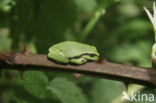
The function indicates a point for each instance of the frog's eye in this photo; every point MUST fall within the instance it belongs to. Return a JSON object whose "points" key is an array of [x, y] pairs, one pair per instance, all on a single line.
{"points": [[91, 55]]}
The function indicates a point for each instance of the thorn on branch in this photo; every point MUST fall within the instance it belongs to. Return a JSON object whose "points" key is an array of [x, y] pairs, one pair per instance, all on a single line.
{"points": [[77, 76], [26, 50], [101, 61], [21, 73]]}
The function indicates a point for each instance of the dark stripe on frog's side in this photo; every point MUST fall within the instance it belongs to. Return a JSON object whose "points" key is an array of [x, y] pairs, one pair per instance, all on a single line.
{"points": [[92, 55], [65, 63]]}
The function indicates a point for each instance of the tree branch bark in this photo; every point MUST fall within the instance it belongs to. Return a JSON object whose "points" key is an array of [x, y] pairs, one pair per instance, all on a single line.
{"points": [[114, 71]]}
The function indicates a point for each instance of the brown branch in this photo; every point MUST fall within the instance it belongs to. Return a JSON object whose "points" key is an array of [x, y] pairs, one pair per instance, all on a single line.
{"points": [[125, 73]]}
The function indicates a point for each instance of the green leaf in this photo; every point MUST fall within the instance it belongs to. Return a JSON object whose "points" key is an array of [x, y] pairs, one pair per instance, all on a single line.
{"points": [[67, 91], [33, 88], [86, 5], [138, 53], [103, 91], [34, 82]]}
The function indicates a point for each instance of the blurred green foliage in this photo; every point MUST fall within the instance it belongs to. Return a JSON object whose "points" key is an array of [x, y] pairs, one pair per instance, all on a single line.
{"points": [[123, 34]]}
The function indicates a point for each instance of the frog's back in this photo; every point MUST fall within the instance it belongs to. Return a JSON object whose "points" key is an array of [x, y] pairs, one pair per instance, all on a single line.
{"points": [[71, 48]]}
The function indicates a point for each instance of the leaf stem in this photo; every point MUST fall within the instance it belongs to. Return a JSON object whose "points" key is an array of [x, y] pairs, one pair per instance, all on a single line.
{"points": [[98, 13]]}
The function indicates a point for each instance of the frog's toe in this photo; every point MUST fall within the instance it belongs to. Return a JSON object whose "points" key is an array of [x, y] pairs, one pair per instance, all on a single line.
{"points": [[57, 58], [91, 58]]}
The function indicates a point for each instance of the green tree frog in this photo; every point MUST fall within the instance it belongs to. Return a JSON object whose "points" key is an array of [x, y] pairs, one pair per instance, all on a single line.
{"points": [[72, 52]]}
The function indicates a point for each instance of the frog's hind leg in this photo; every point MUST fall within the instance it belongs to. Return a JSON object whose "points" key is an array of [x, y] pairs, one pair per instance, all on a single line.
{"points": [[78, 61], [90, 58]]}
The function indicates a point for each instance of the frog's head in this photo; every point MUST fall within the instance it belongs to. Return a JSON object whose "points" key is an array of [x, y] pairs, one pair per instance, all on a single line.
{"points": [[57, 55]]}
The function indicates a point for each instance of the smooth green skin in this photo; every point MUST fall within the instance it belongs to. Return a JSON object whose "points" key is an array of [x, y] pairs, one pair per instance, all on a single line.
{"points": [[73, 52]]}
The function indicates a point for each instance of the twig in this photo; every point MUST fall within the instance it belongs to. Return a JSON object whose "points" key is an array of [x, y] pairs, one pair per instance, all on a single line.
{"points": [[124, 73]]}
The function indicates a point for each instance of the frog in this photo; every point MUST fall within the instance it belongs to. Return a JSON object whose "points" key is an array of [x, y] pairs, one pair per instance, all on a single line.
{"points": [[72, 52]]}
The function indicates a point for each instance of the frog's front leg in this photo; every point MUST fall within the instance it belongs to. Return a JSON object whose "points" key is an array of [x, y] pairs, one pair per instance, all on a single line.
{"points": [[55, 57]]}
